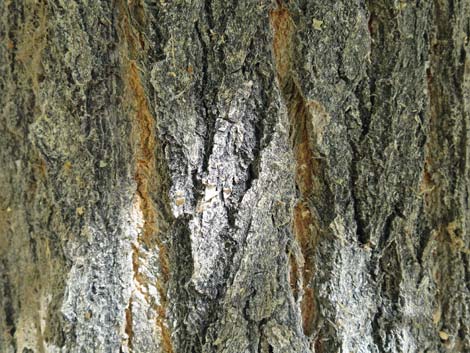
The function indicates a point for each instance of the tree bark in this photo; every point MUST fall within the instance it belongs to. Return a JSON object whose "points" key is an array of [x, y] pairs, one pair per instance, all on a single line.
{"points": [[246, 176]]}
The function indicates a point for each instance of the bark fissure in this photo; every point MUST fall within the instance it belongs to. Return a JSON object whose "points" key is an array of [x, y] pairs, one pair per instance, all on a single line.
{"points": [[309, 165], [151, 238]]}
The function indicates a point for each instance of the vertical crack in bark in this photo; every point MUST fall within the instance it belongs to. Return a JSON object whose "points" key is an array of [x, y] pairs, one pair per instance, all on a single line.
{"points": [[147, 179], [128, 328], [439, 77], [309, 165], [7, 303], [382, 24], [445, 172], [204, 109]]}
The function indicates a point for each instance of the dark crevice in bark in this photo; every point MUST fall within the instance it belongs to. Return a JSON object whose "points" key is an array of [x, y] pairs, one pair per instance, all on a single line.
{"points": [[160, 42], [377, 329], [310, 214], [361, 230], [387, 230], [373, 100], [206, 111], [7, 302], [361, 227], [425, 235], [365, 92], [254, 166], [197, 184], [179, 291], [208, 14], [445, 169]]}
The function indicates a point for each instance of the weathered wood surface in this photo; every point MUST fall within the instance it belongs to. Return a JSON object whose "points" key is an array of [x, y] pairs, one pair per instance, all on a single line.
{"points": [[247, 176]]}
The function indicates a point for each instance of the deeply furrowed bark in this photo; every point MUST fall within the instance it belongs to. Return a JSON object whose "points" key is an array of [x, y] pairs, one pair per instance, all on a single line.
{"points": [[247, 176]]}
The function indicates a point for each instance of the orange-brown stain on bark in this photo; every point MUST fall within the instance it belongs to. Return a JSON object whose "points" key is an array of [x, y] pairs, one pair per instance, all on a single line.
{"points": [[145, 177], [306, 226], [146, 173], [128, 328], [283, 28]]}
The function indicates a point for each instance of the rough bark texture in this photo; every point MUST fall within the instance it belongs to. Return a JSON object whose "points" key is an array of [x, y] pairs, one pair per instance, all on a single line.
{"points": [[242, 176]]}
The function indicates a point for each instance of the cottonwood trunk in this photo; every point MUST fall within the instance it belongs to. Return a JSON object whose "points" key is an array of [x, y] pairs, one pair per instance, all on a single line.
{"points": [[234, 176]]}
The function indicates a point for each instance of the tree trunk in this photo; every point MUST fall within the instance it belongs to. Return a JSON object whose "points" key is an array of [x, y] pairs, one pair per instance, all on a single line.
{"points": [[234, 176]]}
